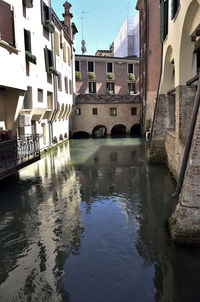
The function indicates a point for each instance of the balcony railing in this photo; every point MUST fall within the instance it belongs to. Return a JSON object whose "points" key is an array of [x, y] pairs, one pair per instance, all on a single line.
{"points": [[17, 153]]}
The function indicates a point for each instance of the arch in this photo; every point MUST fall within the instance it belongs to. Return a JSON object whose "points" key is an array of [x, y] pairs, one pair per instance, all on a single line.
{"points": [[168, 80], [135, 130], [190, 24], [99, 131], [80, 134], [118, 131]]}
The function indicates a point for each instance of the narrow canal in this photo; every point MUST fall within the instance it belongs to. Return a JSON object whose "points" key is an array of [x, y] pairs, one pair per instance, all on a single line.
{"points": [[87, 223]]}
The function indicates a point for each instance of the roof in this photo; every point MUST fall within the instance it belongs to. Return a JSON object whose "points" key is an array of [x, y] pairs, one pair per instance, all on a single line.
{"points": [[107, 99], [103, 58]]}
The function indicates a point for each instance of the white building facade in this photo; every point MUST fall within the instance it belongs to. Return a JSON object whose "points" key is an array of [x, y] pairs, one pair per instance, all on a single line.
{"points": [[31, 101]]}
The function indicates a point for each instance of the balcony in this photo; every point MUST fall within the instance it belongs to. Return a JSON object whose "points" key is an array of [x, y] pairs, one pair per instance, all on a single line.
{"points": [[18, 153]]}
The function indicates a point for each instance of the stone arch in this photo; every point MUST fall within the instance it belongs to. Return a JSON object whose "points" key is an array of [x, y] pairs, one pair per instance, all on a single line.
{"points": [[99, 131], [135, 130], [80, 134], [168, 80], [118, 130], [191, 23]]}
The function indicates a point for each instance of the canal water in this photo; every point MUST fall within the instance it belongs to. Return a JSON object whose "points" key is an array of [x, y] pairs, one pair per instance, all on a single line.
{"points": [[87, 223]]}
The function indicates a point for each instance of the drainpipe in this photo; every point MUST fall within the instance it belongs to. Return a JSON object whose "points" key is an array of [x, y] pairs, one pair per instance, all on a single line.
{"points": [[188, 142], [146, 61]]}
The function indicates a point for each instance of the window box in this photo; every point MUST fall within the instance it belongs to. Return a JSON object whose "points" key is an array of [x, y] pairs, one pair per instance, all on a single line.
{"points": [[91, 75], [30, 58], [110, 92], [48, 25], [78, 75], [110, 76], [131, 77], [52, 70], [28, 3]]}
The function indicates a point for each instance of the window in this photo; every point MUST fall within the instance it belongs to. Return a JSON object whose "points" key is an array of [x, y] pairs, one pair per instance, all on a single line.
{"points": [[70, 87], [28, 98], [46, 17], [90, 66], [7, 23], [130, 68], [174, 7], [109, 67], [49, 100], [113, 111], [131, 88], [133, 111], [59, 82], [94, 111], [198, 61], [40, 95], [66, 85], [28, 3], [92, 87], [77, 66], [110, 87], [78, 111], [163, 20], [49, 61], [27, 41]]}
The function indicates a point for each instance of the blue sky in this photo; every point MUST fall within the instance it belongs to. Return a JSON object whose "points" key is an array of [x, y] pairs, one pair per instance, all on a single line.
{"points": [[102, 22]]}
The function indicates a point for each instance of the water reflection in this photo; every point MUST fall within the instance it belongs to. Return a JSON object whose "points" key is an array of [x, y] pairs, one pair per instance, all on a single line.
{"points": [[88, 223]]}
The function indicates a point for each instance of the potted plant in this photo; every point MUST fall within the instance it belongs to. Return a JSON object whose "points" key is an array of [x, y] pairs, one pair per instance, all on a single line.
{"points": [[131, 76], [110, 76], [78, 75], [49, 26], [91, 75], [30, 58]]}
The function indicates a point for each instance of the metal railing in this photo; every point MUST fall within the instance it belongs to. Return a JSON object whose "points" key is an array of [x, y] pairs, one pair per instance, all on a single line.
{"points": [[15, 151]]}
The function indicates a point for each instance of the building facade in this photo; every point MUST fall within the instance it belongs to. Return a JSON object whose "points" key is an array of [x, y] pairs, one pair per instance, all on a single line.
{"points": [[31, 99], [150, 56], [175, 132], [107, 101]]}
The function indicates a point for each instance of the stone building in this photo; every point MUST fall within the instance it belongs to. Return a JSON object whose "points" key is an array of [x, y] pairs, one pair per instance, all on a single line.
{"points": [[150, 55], [107, 101], [31, 101], [175, 132]]}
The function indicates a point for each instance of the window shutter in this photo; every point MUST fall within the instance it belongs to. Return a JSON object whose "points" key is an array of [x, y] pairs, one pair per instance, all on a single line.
{"points": [[27, 40], [166, 17], [46, 57], [57, 43], [162, 38], [50, 55], [6, 23], [64, 52], [42, 11], [48, 13], [69, 55]]}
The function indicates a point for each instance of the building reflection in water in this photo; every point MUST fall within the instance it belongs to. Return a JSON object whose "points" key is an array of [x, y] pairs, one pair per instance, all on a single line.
{"points": [[88, 223]]}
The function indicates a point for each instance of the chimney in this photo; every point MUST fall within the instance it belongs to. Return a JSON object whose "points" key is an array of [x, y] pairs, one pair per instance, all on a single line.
{"points": [[67, 18]]}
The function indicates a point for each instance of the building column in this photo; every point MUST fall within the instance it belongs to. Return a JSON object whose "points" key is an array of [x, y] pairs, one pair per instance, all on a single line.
{"points": [[185, 222]]}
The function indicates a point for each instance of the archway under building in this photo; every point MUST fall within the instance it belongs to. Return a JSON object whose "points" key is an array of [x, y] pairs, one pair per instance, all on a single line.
{"points": [[118, 131], [99, 131], [80, 134], [135, 130]]}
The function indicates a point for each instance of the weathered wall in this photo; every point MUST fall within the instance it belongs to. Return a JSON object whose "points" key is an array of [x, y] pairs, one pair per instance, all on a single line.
{"points": [[87, 121]]}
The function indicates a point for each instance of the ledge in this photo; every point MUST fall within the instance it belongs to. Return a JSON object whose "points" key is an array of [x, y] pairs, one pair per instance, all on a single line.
{"points": [[9, 47]]}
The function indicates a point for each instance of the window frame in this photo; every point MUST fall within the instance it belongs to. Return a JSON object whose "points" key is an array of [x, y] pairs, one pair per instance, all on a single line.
{"points": [[128, 67], [93, 86], [95, 111], [133, 110], [79, 64], [93, 62], [108, 84], [107, 67], [113, 111]]}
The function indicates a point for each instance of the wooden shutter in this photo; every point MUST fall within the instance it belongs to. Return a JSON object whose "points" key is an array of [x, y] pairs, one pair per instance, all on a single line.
{"points": [[69, 55], [166, 17], [57, 43], [27, 40], [66, 85], [46, 58], [64, 52], [42, 11], [6, 23], [51, 60], [48, 13]]}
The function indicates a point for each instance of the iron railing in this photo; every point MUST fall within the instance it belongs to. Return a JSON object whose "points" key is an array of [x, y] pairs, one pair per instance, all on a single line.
{"points": [[16, 151]]}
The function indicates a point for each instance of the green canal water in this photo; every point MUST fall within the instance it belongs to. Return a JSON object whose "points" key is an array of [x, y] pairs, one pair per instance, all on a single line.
{"points": [[87, 223]]}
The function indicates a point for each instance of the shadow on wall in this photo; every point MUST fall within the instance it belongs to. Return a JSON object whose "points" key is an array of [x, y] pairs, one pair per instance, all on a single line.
{"points": [[118, 131], [80, 134]]}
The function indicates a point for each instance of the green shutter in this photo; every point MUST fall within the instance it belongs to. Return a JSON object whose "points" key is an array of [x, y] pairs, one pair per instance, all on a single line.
{"points": [[51, 61], [48, 13], [42, 11], [46, 58], [166, 4], [27, 40]]}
